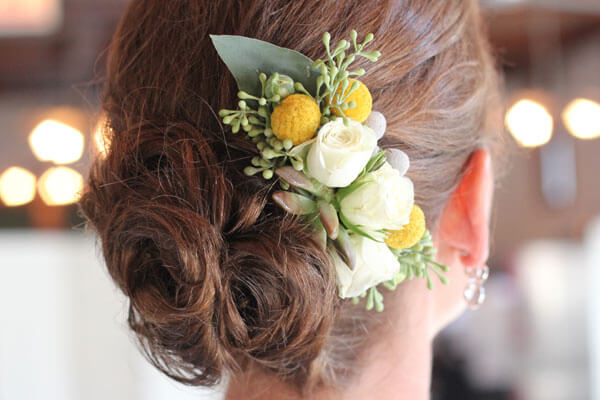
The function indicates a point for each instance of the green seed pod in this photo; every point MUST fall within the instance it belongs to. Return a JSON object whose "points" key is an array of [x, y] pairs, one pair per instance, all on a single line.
{"points": [[262, 101], [334, 71], [340, 46], [344, 106], [247, 128], [250, 170], [299, 87], [284, 185], [235, 128], [227, 120], [242, 104], [268, 132], [323, 69], [269, 153], [288, 144], [353, 35], [256, 161], [368, 38], [223, 113], [359, 72], [297, 163], [261, 145], [352, 104], [265, 163], [371, 55], [326, 39], [255, 121], [255, 132], [245, 96], [244, 121], [278, 145], [262, 111], [267, 173]]}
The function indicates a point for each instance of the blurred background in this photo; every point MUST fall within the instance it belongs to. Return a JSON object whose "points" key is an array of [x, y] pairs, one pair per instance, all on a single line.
{"points": [[62, 323]]}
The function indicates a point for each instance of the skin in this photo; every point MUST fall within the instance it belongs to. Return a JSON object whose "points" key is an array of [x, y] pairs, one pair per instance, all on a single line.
{"points": [[399, 364]]}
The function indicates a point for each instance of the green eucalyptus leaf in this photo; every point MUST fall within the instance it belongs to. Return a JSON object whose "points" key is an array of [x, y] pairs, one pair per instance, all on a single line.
{"points": [[246, 57]]}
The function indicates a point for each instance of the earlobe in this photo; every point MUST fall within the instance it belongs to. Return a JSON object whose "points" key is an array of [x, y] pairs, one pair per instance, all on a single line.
{"points": [[464, 224]]}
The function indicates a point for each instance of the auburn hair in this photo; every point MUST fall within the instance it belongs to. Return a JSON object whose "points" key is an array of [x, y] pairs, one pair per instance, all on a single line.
{"points": [[220, 279]]}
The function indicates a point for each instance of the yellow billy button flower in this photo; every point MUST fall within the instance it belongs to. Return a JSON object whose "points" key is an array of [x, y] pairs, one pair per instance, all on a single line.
{"points": [[411, 233], [296, 118], [362, 97]]}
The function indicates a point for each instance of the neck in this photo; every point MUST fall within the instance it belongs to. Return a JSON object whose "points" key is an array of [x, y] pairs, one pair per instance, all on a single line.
{"points": [[398, 364]]}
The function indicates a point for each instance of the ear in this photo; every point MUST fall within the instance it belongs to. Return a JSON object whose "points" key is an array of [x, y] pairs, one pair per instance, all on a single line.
{"points": [[464, 223]]}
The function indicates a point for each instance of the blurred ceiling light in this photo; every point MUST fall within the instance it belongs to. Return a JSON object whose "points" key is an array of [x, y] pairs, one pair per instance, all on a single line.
{"points": [[17, 186], [530, 123], [101, 138], [54, 141], [60, 186], [582, 118], [29, 17]]}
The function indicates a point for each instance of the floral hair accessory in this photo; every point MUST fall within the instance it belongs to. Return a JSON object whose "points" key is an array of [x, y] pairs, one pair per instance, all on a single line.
{"points": [[315, 130]]}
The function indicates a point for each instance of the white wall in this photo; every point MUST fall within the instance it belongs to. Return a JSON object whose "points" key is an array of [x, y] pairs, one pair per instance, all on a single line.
{"points": [[63, 333]]}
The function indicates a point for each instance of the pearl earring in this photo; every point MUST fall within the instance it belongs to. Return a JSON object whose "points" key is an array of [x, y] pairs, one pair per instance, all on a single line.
{"points": [[474, 293]]}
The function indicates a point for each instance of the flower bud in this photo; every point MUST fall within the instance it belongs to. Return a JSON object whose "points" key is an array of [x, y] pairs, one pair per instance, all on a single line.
{"points": [[250, 170], [281, 85], [267, 173], [326, 39]]}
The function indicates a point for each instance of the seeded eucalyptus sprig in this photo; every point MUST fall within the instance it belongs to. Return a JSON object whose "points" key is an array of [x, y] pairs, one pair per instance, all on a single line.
{"points": [[253, 117], [332, 84]]}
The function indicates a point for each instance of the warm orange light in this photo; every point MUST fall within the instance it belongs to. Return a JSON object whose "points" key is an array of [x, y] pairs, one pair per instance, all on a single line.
{"points": [[60, 186], [18, 17], [529, 123], [57, 142], [17, 186], [582, 118]]}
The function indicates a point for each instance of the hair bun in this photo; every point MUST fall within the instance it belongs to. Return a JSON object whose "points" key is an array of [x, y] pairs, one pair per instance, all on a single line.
{"points": [[213, 281]]}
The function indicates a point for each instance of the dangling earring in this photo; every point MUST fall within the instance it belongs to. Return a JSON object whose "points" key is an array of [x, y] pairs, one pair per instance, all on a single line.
{"points": [[475, 292]]}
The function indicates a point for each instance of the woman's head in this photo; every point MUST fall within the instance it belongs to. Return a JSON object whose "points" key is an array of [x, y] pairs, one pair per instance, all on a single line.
{"points": [[219, 278]]}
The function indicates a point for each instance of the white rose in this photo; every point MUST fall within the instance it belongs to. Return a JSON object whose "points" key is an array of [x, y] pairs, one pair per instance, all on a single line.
{"points": [[384, 201], [375, 263], [340, 152]]}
